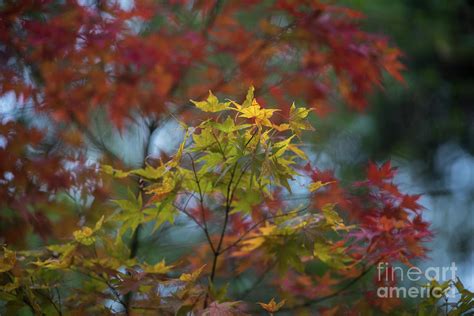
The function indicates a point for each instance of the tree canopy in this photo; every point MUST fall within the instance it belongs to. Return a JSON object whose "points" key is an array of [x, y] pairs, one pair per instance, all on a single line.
{"points": [[238, 218]]}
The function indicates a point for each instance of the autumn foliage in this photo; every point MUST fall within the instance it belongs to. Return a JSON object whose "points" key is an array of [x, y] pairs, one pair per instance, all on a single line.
{"points": [[226, 183], [226, 199], [67, 62]]}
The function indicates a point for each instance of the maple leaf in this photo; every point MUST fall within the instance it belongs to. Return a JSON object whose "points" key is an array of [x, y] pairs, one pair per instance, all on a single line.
{"points": [[114, 172], [272, 306], [318, 185], [249, 97], [225, 182], [124, 73], [223, 309], [378, 175], [256, 112], [298, 121], [160, 190], [159, 268], [229, 125], [258, 238], [333, 255], [193, 276], [211, 104], [164, 212], [64, 261], [85, 235], [411, 202], [282, 146]]}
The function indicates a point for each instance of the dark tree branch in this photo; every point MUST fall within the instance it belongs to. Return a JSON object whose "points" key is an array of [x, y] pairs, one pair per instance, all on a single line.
{"points": [[135, 241]]}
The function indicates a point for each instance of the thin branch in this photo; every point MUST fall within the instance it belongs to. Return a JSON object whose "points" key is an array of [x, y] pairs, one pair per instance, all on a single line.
{"points": [[59, 301], [258, 281], [20, 292], [135, 241], [191, 216], [92, 138], [50, 300], [201, 202], [224, 226], [117, 295], [229, 197], [212, 17], [194, 219], [329, 296], [219, 145]]}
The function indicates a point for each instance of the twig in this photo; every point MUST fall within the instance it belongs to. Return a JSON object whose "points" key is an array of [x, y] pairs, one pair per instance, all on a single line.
{"points": [[135, 241], [125, 304], [201, 204], [329, 296], [90, 135]]}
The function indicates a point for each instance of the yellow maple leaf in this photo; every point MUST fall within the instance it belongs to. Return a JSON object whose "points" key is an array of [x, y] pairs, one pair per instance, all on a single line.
{"points": [[159, 190], [256, 112], [114, 172], [65, 259], [298, 119], [159, 268], [99, 223], [258, 239], [272, 306], [191, 277], [211, 104], [281, 127], [318, 185], [267, 229], [54, 264]]}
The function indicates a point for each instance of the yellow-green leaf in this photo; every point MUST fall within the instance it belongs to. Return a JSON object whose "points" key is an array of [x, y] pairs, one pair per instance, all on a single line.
{"points": [[282, 146], [191, 277], [212, 104], [114, 172], [159, 268], [255, 111], [298, 121], [318, 185]]}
